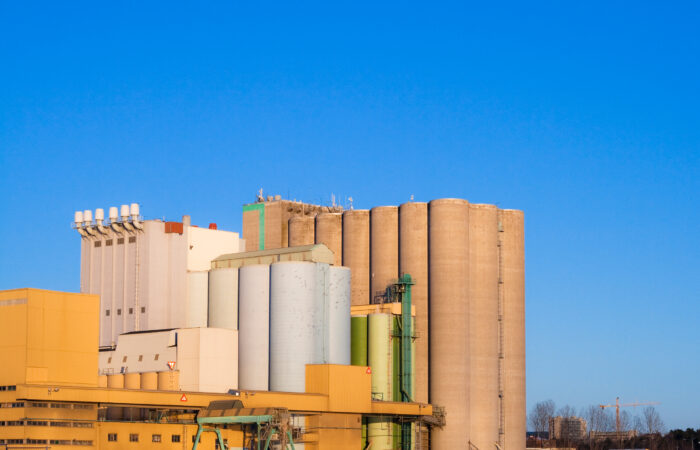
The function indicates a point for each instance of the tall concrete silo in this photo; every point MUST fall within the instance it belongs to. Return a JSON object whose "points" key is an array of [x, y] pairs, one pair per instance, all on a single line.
{"points": [[384, 248], [223, 298], [301, 231], [337, 323], [448, 235], [254, 323], [296, 330], [329, 231], [513, 298], [483, 325], [356, 253], [413, 259]]}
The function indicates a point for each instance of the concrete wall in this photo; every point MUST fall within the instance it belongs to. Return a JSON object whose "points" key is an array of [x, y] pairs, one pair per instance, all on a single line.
{"points": [[141, 276], [48, 337]]}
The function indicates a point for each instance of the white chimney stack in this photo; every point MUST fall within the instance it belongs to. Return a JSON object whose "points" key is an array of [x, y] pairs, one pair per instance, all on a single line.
{"points": [[125, 212], [78, 218], [87, 216], [113, 214]]}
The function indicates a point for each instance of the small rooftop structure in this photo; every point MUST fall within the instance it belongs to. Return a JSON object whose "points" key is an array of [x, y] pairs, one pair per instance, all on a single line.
{"points": [[311, 253]]}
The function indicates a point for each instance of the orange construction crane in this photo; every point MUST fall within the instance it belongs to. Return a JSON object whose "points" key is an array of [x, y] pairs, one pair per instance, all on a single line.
{"points": [[617, 406]]}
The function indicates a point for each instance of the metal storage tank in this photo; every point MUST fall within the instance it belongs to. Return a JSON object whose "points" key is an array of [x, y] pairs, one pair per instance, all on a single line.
{"points": [[197, 298], [149, 381], [380, 433], [329, 231], [483, 325], [356, 253], [338, 313], [223, 298], [169, 380], [254, 328], [301, 231], [115, 381], [380, 355], [513, 276], [380, 358], [448, 235], [132, 380], [358, 356], [413, 260], [296, 322], [384, 248]]}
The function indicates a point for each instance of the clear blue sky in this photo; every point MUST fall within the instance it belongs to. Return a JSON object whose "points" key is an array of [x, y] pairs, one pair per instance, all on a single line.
{"points": [[583, 114]]}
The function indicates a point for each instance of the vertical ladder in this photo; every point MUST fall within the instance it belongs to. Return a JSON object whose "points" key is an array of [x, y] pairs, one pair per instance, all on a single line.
{"points": [[501, 344]]}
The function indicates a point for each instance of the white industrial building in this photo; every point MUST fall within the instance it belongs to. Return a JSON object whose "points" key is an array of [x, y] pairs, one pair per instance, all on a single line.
{"points": [[151, 274]]}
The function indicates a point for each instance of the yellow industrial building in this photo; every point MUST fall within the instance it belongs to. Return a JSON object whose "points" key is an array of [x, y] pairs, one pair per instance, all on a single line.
{"points": [[49, 393], [396, 327]]}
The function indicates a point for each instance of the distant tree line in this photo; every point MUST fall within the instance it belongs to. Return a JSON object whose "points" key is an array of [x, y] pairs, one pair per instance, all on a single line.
{"points": [[645, 430]]}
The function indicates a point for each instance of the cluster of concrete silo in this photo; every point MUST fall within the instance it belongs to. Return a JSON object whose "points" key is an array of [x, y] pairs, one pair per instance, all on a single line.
{"points": [[288, 314], [467, 261]]}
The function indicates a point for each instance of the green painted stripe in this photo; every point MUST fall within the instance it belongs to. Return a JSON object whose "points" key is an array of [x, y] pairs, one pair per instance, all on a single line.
{"points": [[260, 207]]}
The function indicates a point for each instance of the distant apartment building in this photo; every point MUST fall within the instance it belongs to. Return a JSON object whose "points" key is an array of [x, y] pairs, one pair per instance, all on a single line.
{"points": [[567, 428]]}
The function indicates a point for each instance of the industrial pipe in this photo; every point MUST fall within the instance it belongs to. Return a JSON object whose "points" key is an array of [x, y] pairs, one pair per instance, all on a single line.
{"points": [[78, 220], [134, 210], [114, 220], [99, 219], [87, 215], [125, 218]]}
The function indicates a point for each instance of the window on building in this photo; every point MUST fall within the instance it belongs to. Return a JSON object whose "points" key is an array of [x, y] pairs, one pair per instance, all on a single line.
{"points": [[155, 358], [107, 313], [140, 358], [155, 438], [109, 360], [98, 243], [119, 311], [131, 310], [108, 242], [112, 437], [124, 359], [120, 241], [133, 437], [132, 239], [143, 309], [175, 438], [199, 441]]}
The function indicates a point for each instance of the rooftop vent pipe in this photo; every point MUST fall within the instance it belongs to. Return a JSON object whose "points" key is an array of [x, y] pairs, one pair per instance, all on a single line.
{"points": [[125, 218], [99, 219], [78, 220], [134, 210], [87, 224], [114, 220]]}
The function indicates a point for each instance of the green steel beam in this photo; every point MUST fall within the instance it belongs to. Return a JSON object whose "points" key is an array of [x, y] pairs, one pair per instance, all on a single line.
{"points": [[260, 207]]}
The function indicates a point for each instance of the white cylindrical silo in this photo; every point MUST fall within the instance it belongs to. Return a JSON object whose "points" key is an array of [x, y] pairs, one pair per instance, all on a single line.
{"points": [[338, 313], [223, 298], [296, 325], [254, 327], [197, 298]]}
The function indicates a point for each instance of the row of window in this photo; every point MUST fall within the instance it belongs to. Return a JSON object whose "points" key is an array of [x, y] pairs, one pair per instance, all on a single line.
{"points": [[61, 405], [46, 441], [119, 311], [134, 437], [108, 242], [155, 358], [44, 423], [12, 405], [8, 388]]}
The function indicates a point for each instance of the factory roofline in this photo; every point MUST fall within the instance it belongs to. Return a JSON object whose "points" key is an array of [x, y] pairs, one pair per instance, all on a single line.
{"points": [[311, 253]]}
